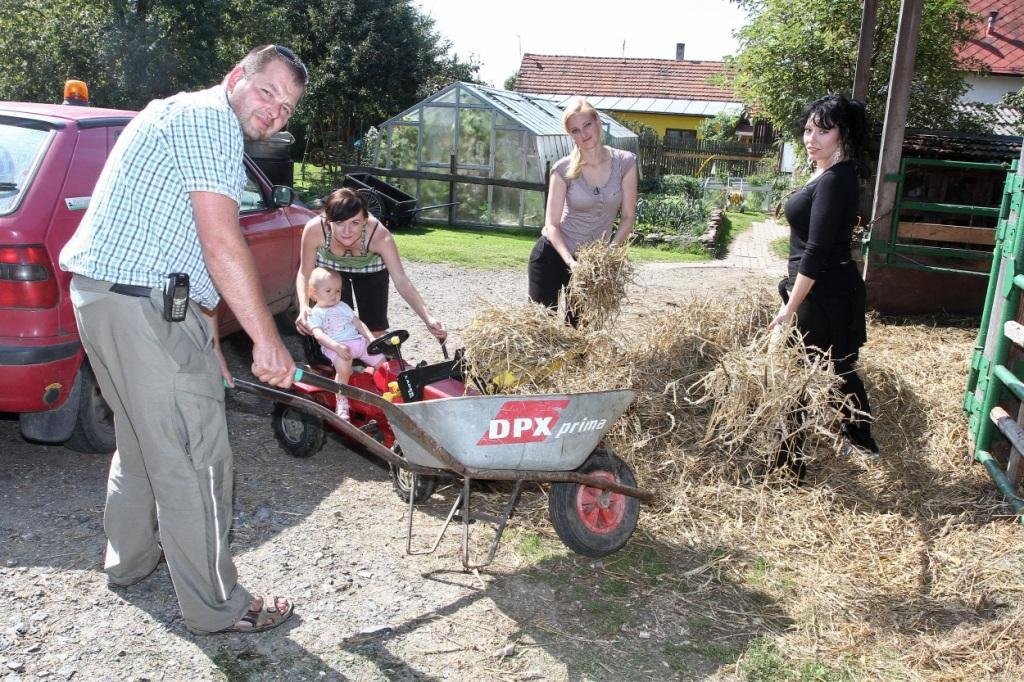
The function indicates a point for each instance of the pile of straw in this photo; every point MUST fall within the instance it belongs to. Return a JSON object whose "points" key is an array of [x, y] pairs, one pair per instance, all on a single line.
{"points": [[771, 396], [907, 567], [520, 348], [597, 288]]}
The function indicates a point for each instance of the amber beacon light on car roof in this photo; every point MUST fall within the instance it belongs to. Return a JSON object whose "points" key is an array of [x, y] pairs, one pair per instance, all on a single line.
{"points": [[76, 92]]}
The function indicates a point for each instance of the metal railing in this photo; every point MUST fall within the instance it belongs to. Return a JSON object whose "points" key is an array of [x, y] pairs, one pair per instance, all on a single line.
{"points": [[993, 389]]}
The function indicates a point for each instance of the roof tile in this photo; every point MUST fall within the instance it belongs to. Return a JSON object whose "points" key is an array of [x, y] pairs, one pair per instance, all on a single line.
{"points": [[1002, 51], [623, 77]]}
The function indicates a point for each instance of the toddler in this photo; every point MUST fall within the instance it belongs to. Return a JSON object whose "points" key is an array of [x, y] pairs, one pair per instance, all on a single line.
{"points": [[341, 334]]}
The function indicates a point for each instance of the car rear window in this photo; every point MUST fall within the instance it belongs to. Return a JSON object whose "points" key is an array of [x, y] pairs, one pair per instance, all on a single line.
{"points": [[21, 150]]}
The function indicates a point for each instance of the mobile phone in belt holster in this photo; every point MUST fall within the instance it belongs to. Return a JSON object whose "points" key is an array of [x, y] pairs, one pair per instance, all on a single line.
{"points": [[176, 297]]}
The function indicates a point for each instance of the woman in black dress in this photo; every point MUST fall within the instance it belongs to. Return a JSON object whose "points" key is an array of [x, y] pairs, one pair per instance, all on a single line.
{"points": [[824, 289]]}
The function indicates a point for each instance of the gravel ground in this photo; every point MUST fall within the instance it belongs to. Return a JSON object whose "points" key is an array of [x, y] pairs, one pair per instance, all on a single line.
{"points": [[329, 533]]}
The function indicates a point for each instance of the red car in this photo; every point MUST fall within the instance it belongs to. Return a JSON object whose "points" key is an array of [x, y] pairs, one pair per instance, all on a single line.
{"points": [[50, 158]]}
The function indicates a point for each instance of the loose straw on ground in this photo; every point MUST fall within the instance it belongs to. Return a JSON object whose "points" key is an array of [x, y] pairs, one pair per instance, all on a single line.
{"points": [[908, 566]]}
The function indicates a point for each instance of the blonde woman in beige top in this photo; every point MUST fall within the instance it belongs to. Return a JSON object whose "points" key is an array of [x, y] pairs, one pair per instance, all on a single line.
{"points": [[587, 190]]}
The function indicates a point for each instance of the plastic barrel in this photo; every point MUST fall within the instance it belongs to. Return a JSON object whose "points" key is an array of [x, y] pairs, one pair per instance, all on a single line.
{"points": [[273, 156]]}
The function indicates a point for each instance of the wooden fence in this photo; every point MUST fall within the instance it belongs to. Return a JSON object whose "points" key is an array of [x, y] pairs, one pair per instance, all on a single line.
{"points": [[703, 158]]}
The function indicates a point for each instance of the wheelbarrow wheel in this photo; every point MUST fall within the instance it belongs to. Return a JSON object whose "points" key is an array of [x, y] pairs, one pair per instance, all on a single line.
{"points": [[591, 521], [298, 433], [401, 481]]}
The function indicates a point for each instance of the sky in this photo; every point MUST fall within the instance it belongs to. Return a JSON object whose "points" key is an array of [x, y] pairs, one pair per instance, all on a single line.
{"points": [[498, 32]]}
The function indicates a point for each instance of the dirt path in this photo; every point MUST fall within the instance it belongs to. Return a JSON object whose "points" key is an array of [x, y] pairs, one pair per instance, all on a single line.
{"points": [[328, 532]]}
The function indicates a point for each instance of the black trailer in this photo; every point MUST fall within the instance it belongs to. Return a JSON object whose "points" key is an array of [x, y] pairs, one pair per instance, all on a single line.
{"points": [[393, 207]]}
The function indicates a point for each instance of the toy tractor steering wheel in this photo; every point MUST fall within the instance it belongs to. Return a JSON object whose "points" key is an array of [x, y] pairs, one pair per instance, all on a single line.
{"points": [[388, 343]]}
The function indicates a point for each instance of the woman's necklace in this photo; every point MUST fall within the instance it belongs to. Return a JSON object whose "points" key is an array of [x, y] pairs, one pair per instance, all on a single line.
{"points": [[597, 169], [348, 250]]}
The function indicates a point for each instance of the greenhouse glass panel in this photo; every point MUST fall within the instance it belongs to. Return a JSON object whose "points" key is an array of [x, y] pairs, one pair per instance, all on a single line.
{"points": [[433, 192], [503, 120], [438, 134], [474, 137], [450, 97], [505, 206], [407, 185], [472, 206], [413, 116], [469, 99], [533, 208], [534, 166], [510, 148], [404, 140]]}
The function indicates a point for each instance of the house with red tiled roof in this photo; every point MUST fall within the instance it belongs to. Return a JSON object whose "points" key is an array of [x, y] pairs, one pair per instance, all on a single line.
{"points": [[672, 96], [997, 48]]}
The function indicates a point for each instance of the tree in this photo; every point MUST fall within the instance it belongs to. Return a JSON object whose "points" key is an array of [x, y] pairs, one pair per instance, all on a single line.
{"points": [[128, 51], [1016, 100], [368, 60], [792, 53], [720, 127]]}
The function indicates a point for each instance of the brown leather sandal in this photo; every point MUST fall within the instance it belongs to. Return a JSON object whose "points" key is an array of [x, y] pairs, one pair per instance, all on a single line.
{"points": [[263, 617]]}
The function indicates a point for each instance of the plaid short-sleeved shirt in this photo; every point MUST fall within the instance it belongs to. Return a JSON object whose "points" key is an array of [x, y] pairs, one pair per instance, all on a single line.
{"points": [[139, 226]]}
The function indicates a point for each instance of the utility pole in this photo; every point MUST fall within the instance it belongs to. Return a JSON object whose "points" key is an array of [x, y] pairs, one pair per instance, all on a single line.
{"points": [[864, 49], [896, 108]]}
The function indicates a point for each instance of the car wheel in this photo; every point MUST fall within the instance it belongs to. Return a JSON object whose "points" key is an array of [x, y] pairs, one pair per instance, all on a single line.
{"points": [[94, 425], [286, 319]]}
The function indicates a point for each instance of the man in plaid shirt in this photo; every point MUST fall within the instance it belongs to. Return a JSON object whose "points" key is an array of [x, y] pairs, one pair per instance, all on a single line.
{"points": [[167, 202]]}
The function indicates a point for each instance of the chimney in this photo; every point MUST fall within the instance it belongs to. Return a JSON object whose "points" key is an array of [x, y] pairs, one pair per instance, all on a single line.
{"points": [[680, 50], [992, 16]]}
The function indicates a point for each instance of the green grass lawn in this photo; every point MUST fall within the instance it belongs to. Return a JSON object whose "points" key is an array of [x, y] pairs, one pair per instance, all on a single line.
{"points": [[738, 222], [482, 248], [780, 247], [496, 250], [310, 181]]}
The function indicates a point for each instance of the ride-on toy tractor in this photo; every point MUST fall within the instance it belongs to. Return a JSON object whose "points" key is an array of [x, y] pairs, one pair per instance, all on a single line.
{"points": [[302, 434], [429, 424]]}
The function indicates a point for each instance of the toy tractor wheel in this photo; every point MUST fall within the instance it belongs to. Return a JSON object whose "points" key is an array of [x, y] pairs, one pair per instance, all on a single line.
{"points": [[298, 433], [591, 521], [401, 481]]}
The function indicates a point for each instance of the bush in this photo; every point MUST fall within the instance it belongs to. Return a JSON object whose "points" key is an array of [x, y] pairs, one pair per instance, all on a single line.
{"points": [[671, 215], [673, 184], [673, 205]]}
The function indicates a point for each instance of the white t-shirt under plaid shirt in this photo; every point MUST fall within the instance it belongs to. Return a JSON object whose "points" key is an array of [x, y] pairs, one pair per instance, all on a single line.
{"points": [[140, 226]]}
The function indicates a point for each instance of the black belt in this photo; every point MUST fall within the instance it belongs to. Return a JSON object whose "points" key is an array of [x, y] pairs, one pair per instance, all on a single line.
{"points": [[131, 290]]}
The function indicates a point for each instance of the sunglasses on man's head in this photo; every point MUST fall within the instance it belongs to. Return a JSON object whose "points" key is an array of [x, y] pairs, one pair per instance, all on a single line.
{"points": [[290, 57]]}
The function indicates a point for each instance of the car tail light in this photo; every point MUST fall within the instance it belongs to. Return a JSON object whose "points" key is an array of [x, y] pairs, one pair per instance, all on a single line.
{"points": [[27, 279]]}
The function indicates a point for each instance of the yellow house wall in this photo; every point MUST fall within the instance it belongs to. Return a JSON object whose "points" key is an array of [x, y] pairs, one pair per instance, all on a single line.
{"points": [[661, 121]]}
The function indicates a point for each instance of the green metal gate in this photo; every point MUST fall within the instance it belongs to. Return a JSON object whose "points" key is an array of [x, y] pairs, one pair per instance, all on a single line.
{"points": [[904, 242], [993, 386]]}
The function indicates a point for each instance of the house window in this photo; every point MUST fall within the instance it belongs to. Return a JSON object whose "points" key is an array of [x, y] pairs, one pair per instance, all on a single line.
{"points": [[676, 137]]}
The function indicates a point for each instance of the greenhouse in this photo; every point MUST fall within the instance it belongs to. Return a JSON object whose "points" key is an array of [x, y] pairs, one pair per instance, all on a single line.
{"points": [[486, 133]]}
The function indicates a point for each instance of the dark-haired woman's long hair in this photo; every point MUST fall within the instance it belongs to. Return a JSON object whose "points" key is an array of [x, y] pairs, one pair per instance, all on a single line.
{"points": [[848, 115]]}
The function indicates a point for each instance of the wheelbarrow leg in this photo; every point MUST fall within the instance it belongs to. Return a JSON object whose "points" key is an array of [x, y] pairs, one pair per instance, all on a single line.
{"points": [[412, 509], [500, 522], [462, 507]]}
